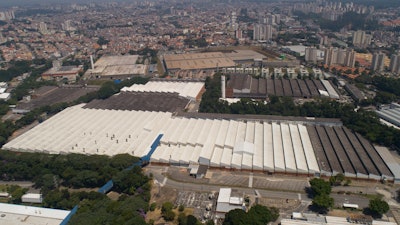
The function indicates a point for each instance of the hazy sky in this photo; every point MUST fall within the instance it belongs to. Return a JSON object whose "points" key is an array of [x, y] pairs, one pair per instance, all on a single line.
{"points": [[8, 3]]}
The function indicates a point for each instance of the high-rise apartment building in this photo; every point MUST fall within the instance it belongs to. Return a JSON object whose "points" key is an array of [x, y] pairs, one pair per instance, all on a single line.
{"points": [[395, 64], [378, 62], [262, 32], [311, 54], [232, 23], [344, 57], [361, 39], [67, 25], [330, 57], [350, 59], [7, 15], [43, 27]]}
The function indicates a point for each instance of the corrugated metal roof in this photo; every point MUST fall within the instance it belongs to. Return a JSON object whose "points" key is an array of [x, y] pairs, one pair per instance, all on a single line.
{"points": [[224, 195]]}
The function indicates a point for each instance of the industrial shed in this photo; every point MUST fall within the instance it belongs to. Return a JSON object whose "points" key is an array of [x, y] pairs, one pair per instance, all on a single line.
{"points": [[117, 67], [197, 61], [272, 146], [190, 90], [245, 86], [145, 101], [390, 113], [23, 214]]}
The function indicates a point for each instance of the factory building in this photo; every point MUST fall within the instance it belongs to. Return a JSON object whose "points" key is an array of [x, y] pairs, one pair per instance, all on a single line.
{"points": [[245, 86], [391, 114], [123, 124], [197, 61], [62, 73], [22, 214], [116, 68], [253, 145]]}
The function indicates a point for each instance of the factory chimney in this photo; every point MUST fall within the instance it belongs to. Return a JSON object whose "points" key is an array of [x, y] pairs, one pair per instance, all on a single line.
{"points": [[223, 86], [91, 62]]}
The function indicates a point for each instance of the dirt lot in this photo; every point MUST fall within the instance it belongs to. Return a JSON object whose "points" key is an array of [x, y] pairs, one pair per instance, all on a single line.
{"points": [[49, 95], [281, 204], [163, 194], [343, 213], [157, 218]]}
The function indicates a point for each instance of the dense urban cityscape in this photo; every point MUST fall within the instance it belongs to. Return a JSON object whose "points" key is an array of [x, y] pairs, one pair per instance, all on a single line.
{"points": [[209, 112]]}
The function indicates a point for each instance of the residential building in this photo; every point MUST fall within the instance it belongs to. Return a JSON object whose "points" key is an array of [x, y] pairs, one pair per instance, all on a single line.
{"points": [[378, 60], [262, 32], [361, 39], [394, 66], [311, 54]]}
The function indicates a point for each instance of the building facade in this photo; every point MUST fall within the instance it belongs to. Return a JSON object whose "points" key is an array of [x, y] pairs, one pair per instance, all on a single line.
{"points": [[378, 60]]}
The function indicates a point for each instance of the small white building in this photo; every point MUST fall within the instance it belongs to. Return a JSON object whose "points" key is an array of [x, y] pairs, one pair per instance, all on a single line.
{"points": [[226, 202], [3, 85], [291, 72], [22, 214], [265, 73], [317, 73], [32, 198], [304, 73], [5, 96], [278, 72]]}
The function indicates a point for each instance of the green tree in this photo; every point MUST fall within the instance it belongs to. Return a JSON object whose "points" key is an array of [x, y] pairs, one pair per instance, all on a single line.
{"points": [[378, 207], [337, 179], [261, 215], [320, 186], [323, 202], [191, 220], [122, 161], [236, 217], [16, 193], [210, 222], [168, 215], [166, 206], [182, 219], [153, 206]]}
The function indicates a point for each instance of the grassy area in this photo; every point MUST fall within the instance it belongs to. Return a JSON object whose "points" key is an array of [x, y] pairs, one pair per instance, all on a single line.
{"points": [[97, 82], [3, 188], [157, 218]]}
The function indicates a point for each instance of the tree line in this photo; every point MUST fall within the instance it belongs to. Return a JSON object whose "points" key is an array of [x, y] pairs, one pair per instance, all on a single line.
{"points": [[320, 191], [55, 174], [73, 170]]}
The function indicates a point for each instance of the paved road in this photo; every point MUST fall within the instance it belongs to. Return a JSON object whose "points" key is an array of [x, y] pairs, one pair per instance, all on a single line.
{"points": [[187, 186], [24, 184]]}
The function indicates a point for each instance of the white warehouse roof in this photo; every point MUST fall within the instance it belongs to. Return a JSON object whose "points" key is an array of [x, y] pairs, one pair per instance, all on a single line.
{"points": [[244, 145], [188, 90], [21, 215], [247, 145]]}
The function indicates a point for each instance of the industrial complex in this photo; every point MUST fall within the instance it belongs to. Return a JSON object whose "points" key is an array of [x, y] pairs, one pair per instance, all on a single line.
{"points": [[302, 147], [116, 67], [246, 86], [174, 63], [390, 114]]}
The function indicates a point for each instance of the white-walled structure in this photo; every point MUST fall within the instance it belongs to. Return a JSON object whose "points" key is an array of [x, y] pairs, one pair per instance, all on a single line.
{"points": [[185, 89], [255, 145], [21, 214]]}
